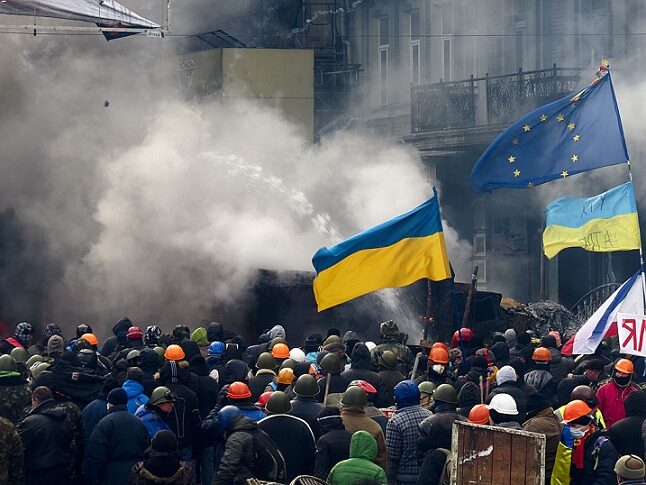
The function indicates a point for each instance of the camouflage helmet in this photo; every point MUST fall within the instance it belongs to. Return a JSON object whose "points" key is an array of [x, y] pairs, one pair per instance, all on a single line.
{"points": [[388, 327], [7, 363], [266, 361], [278, 403], [388, 359], [19, 354], [331, 364], [427, 387], [34, 359], [354, 396], [446, 393], [306, 386]]}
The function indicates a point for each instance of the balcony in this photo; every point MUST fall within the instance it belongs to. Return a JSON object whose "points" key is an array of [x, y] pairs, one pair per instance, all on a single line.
{"points": [[489, 100]]}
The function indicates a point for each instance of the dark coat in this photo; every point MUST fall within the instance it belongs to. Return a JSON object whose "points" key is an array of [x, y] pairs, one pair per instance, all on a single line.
{"points": [[119, 330], [560, 366], [626, 434], [389, 379], [511, 388], [437, 429], [545, 422], [430, 472], [332, 447], [599, 469], [185, 418], [361, 368], [295, 440], [46, 436], [308, 409], [116, 444], [237, 461], [82, 386], [206, 389], [259, 382], [161, 468], [93, 413], [149, 364], [338, 384], [15, 396]]}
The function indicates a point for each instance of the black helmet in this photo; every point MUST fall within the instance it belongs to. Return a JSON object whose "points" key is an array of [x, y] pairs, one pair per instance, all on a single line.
{"points": [[278, 403], [354, 396], [446, 393], [87, 359], [266, 361], [82, 329], [331, 364], [306, 386], [7, 363], [388, 359]]}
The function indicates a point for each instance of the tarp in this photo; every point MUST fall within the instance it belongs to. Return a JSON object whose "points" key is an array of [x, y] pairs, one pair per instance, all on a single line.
{"points": [[104, 13]]}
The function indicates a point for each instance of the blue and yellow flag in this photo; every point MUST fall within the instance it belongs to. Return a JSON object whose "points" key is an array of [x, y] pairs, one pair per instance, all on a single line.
{"points": [[569, 136], [603, 223], [393, 254]]}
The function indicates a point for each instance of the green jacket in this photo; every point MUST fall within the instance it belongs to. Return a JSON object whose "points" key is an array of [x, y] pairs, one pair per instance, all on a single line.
{"points": [[360, 466]]}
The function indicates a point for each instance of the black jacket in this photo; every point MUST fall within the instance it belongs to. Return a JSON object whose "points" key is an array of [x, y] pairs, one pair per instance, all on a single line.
{"points": [[206, 389], [332, 447], [626, 434], [46, 436], [259, 382], [295, 440], [149, 364], [511, 388], [600, 457], [435, 431], [82, 386], [389, 379], [338, 384], [361, 368], [116, 444], [308, 409], [237, 460], [119, 330], [430, 472]]}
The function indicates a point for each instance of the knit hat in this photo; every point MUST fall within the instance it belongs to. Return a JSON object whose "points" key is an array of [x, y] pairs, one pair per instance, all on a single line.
{"points": [[165, 441], [506, 374], [135, 374], [117, 396], [630, 467], [199, 336], [55, 346], [23, 331]]}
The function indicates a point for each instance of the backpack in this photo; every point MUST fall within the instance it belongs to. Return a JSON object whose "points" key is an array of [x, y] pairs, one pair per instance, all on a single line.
{"points": [[268, 461], [445, 476]]}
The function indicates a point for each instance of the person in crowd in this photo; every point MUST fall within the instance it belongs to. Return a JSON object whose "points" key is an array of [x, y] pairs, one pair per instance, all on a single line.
{"points": [[15, 394], [306, 405], [266, 372], [390, 377], [541, 419], [118, 340], [390, 338], [474, 386], [588, 396], [611, 396], [332, 381], [401, 434], [426, 390], [560, 366], [626, 434], [11, 454], [21, 338], [523, 349], [503, 412], [361, 467], [361, 368], [437, 366], [239, 395], [134, 388], [97, 409], [162, 463], [479, 414], [40, 347], [206, 388], [312, 346], [506, 383], [149, 364], [540, 376], [237, 462], [334, 444], [630, 470], [156, 413]]}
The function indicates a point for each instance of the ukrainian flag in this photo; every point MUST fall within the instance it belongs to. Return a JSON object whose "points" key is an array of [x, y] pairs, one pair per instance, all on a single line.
{"points": [[396, 253], [603, 223]]}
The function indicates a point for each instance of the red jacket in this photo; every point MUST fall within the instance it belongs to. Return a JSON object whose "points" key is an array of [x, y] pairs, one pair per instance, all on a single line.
{"points": [[611, 401]]}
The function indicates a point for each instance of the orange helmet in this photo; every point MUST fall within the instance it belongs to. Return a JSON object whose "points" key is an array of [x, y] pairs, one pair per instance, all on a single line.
{"points": [[238, 390], [574, 410], [625, 366], [479, 414], [280, 351], [174, 352], [90, 338], [285, 376], [439, 356], [542, 354], [440, 345]]}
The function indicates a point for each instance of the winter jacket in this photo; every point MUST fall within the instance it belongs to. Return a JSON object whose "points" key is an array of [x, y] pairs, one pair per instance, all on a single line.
{"points": [[401, 439], [512, 389], [15, 396], [162, 469], [611, 399], [153, 418], [82, 386], [599, 461], [338, 384], [11, 454], [626, 434], [119, 330], [332, 447], [389, 379], [438, 429], [206, 388], [294, 439], [361, 368], [93, 413], [46, 435], [543, 382], [149, 364], [136, 396], [355, 419], [260, 381], [359, 467], [545, 422], [237, 461], [116, 444], [430, 472], [560, 366], [308, 409]]}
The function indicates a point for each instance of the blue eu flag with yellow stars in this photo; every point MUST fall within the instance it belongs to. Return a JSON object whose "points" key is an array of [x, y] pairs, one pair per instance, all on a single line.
{"points": [[575, 134]]}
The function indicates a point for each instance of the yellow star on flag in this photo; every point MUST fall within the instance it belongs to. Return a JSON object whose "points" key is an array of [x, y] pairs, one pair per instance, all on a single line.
{"points": [[575, 158], [571, 126], [543, 117], [560, 117], [526, 128], [576, 137], [511, 159], [515, 141], [516, 173], [564, 173]]}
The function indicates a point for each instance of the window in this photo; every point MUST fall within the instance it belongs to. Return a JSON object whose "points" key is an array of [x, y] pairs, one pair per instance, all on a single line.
{"points": [[431, 173], [446, 55], [384, 31], [384, 38], [480, 244], [520, 48], [415, 29]]}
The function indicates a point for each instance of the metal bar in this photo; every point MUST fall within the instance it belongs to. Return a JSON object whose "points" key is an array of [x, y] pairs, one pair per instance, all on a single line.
{"points": [[72, 28]]}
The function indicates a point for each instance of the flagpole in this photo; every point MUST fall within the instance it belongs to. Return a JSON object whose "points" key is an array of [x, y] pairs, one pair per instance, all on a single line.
{"points": [[641, 251]]}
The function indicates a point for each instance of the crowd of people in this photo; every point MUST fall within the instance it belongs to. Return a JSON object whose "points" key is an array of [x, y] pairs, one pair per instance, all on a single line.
{"points": [[202, 407]]}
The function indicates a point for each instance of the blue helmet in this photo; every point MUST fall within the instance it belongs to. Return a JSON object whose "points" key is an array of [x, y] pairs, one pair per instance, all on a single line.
{"points": [[406, 394], [216, 348], [226, 415]]}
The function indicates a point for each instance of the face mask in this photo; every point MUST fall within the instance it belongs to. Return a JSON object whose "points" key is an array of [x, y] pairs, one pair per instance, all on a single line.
{"points": [[622, 381], [438, 368], [579, 433]]}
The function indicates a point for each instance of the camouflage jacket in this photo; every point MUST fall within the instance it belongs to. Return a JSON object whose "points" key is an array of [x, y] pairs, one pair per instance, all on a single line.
{"points": [[15, 396], [77, 447], [11, 455], [404, 355]]}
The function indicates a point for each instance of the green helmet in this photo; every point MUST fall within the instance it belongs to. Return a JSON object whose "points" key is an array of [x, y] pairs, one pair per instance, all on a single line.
{"points": [[133, 354], [7, 363], [161, 395], [446, 393], [331, 364], [276, 340], [288, 363], [160, 353], [427, 387], [306, 386], [388, 328], [278, 403], [40, 367], [354, 396], [388, 359], [19, 354], [33, 359], [266, 361]]}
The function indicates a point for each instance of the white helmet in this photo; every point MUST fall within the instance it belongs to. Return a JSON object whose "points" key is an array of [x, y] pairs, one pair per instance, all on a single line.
{"points": [[297, 355], [370, 345], [504, 404]]}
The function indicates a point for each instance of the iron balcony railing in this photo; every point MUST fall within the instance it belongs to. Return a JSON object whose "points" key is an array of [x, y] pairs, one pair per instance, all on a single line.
{"points": [[489, 100]]}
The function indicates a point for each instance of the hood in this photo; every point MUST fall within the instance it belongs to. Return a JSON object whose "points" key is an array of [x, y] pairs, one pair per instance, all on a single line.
{"points": [[50, 409], [237, 370], [330, 423], [277, 331], [174, 372], [122, 326], [132, 388], [363, 445], [635, 404], [501, 351], [360, 357], [149, 362], [350, 336], [214, 332], [556, 356], [190, 348], [197, 365], [200, 337], [242, 423]]}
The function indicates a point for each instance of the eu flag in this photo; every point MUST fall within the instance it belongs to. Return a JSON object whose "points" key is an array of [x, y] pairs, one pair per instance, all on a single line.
{"points": [[572, 135]]}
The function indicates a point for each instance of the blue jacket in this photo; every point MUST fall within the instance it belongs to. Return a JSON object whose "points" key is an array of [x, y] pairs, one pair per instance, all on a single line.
{"points": [[92, 414], [136, 396], [152, 419], [254, 414]]}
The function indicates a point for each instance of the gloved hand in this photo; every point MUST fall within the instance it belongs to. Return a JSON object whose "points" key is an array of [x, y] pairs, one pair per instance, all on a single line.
{"points": [[566, 437]]}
